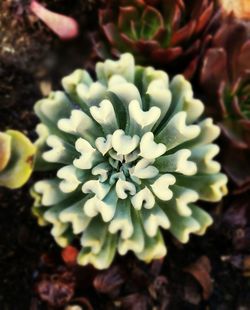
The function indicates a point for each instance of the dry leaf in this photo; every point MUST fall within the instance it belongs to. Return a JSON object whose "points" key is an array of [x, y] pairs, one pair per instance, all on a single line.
{"points": [[200, 270]]}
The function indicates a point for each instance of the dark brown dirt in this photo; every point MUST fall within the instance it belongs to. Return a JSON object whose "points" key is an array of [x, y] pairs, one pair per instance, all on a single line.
{"points": [[211, 272]]}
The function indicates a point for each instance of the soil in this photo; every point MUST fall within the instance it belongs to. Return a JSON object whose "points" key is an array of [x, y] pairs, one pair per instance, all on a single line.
{"points": [[210, 272]]}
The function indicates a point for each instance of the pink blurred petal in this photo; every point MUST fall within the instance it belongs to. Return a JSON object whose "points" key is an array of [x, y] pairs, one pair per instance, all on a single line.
{"points": [[65, 27]]}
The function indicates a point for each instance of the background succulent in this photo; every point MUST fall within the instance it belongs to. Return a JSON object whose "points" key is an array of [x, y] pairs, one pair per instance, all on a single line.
{"points": [[156, 32], [127, 159], [16, 159], [240, 8], [225, 79]]}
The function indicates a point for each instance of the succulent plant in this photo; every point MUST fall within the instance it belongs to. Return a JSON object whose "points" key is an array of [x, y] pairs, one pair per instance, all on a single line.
{"points": [[128, 155], [158, 32], [16, 159], [225, 79]]}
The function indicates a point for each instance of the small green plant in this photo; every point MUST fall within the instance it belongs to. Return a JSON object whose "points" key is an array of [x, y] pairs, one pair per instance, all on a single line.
{"points": [[16, 159], [128, 155]]}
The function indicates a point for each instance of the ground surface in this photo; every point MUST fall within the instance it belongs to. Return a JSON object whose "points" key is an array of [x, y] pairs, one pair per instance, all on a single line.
{"points": [[212, 272]]}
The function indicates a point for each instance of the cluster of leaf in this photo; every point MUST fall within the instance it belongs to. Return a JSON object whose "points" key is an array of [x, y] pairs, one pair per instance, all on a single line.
{"points": [[208, 41], [164, 33], [129, 151]]}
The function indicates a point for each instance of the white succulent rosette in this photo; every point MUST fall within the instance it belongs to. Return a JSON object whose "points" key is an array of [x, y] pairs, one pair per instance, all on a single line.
{"points": [[129, 155]]}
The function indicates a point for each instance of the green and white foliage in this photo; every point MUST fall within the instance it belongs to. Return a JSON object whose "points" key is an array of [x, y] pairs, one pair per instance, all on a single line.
{"points": [[130, 156]]}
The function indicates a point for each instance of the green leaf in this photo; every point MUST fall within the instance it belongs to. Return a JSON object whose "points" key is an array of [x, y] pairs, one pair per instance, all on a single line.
{"points": [[5, 150], [20, 165], [151, 22], [128, 21]]}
